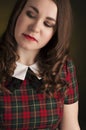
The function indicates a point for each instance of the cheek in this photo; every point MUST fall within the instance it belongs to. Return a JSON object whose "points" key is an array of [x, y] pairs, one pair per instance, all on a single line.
{"points": [[48, 35], [19, 24], [17, 27]]}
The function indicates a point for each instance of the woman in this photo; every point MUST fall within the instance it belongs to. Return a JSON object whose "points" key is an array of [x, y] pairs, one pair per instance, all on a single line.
{"points": [[38, 86]]}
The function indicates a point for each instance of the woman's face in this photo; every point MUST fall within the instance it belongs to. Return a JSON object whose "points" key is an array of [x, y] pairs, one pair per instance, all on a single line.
{"points": [[35, 25]]}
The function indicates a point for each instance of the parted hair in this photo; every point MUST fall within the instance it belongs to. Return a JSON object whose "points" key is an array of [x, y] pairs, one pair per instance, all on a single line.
{"points": [[50, 58]]}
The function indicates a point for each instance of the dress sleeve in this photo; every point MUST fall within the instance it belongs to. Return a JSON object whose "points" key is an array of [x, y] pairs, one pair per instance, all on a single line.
{"points": [[71, 92]]}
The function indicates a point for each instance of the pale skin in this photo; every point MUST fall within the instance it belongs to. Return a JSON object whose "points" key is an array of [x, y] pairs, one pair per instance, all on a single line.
{"points": [[39, 22], [70, 117]]}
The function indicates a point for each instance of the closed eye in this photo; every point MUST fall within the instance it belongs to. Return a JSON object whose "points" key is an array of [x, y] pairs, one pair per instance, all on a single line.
{"points": [[31, 14], [49, 24]]}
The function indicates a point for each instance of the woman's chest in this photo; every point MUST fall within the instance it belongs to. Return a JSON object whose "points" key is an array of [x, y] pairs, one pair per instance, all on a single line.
{"points": [[25, 109]]}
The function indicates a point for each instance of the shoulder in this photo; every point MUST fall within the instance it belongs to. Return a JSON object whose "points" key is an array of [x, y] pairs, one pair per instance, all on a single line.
{"points": [[69, 75]]}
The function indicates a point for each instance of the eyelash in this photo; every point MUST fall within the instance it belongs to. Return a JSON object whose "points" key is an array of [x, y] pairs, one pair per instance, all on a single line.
{"points": [[49, 25], [31, 15]]}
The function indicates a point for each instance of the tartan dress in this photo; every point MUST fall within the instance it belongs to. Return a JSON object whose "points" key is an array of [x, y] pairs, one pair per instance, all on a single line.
{"points": [[26, 109]]}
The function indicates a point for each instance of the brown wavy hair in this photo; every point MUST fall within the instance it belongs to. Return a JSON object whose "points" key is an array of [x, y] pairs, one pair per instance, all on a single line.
{"points": [[50, 59]]}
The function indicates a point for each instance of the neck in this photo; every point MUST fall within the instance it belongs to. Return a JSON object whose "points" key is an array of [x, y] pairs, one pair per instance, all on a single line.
{"points": [[27, 57]]}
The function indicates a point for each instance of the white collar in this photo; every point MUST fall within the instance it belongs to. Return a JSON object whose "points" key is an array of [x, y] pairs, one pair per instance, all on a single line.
{"points": [[21, 70]]}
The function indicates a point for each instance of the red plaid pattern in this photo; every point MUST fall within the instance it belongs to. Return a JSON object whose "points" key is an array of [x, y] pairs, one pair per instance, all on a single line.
{"points": [[25, 109]]}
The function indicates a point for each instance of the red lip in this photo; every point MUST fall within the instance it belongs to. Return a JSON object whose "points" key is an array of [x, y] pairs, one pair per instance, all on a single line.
{"points": [[28, 37]]}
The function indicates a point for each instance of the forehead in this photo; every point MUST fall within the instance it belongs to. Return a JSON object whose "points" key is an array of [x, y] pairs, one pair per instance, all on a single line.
{"points": [[44, 6]]}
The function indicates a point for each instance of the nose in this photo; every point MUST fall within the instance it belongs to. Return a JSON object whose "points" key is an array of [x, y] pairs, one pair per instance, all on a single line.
{"points": [[36, 26]]}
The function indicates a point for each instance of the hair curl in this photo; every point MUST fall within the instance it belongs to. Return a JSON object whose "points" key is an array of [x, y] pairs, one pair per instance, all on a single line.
{"points": [[50, 59]]}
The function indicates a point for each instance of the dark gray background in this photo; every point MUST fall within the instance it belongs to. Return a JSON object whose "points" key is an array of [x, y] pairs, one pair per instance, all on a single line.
{"points": [[78, 46]]}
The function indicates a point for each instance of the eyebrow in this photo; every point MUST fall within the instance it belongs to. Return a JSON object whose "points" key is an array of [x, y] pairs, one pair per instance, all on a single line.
{"points": [[35, 9]]}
